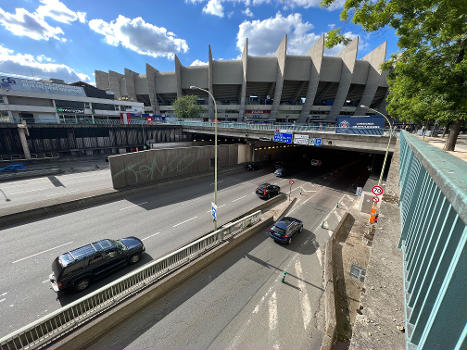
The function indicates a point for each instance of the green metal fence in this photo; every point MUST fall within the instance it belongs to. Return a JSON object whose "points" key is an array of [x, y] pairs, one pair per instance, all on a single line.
{"points": [[433, 204]]}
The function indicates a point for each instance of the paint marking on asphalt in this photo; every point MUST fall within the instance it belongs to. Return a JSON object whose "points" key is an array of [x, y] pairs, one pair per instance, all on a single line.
{"points": [[2, 300], [194, 217], [3, 294], [44, 251], [239, 198], [319, 256], [273, 321], [305, 301], [154, 234], [134, 205], [45, 281]]}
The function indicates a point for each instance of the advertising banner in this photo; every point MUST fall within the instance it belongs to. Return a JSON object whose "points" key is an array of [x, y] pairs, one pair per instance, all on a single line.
{"points": [[300, 139], [10, 83], [371, 125]]}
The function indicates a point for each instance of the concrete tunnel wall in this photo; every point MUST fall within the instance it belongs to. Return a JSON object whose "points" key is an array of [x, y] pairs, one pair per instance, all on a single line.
{"points": [[152, 166]]}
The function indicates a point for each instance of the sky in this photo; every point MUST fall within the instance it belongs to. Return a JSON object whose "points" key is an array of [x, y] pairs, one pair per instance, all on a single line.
{"points": [[69, 40]]}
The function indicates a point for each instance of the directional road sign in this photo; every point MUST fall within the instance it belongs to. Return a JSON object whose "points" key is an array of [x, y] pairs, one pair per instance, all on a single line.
{"points": [[214, 211], [282, 137]]}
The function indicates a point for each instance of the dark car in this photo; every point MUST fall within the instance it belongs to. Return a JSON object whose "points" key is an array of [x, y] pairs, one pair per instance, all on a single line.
{"points": [[266, 191], [280, 172], [76, 269], [284, 229]]}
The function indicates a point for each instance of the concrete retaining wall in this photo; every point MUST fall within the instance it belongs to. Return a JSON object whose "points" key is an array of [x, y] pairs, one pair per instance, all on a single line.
{"points": [[147, 167]]}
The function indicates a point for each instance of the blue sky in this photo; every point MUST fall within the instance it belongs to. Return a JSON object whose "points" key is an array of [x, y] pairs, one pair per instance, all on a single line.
{"points": [[70, 39]]}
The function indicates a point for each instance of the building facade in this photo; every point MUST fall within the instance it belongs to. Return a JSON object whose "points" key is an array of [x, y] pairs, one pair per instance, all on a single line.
{"points": [[279, 88], [37, 101]]}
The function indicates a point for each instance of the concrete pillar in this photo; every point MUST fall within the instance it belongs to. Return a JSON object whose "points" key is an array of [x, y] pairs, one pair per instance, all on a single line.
{"points": [[130, 81], [241, 112], [210, 102], [281, 55], [22, 129], [349, 56], [114, 83], [102, 80], [316, 55], [178, 75], [375, 59], [151, 76], [56, 114]]}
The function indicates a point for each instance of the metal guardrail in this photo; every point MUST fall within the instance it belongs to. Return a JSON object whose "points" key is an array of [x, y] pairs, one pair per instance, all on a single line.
{"points": [[49, 328], [433, 204]]}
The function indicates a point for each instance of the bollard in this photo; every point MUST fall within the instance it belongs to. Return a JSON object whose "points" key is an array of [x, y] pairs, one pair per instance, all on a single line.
{"points": [[283, 277]]}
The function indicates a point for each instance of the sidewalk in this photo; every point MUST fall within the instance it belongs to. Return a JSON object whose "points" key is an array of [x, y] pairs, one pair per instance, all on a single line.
{"points": [[460, 151]]}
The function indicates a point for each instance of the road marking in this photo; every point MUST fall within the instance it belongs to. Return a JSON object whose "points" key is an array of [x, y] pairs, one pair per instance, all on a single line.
{"points": [[305, 301], [134, 205], [3, 294], [45, 281], [44, 251], [273, 321], [319, 256], [194, 217], [239, 198], [2, 300], [154, 234]]}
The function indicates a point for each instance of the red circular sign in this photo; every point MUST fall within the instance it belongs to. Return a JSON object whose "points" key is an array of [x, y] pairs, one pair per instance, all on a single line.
{"points": [[291, 182], [375, 199], [377, 190]]}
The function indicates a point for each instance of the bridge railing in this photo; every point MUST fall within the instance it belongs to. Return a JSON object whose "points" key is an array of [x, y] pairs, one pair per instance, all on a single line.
{"points": [[433, 204], [48, 328]]}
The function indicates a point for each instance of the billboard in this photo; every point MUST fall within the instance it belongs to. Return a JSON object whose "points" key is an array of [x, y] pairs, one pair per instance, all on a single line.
{"points": [[17, 84], [371, 125]]}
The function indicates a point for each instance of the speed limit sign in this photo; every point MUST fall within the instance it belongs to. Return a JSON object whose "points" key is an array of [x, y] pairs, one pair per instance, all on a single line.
{"points": [[377, 190], [375, 199]]}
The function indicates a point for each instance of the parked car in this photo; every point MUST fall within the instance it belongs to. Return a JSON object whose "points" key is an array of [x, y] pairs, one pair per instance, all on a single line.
{"points": [[266, 191], [284, 229], [251, 166], [76, 269], [316, 162], [280, 172]]}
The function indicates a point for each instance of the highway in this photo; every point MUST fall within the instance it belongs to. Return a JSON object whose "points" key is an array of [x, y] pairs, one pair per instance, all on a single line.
{"points": [[239, 301], [165, 218]]}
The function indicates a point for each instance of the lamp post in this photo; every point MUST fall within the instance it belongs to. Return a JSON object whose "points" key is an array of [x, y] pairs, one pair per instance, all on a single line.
{"points": [[215, 146], [385, 154]]}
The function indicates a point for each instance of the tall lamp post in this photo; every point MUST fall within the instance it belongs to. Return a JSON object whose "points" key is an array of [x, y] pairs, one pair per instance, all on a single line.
{"points": [[385, 154], [215, 146]]}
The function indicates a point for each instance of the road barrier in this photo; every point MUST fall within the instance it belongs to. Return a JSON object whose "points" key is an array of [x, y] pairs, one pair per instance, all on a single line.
{"points": [[64, 320]]}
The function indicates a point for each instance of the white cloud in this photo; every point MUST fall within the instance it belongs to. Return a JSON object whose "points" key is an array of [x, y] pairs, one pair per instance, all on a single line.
{"points": [[265, 36], [26, 64], [34, 25], [139, 36], [198, 63], [331, 26], [247, 12], [60, 12], [214, 7]]}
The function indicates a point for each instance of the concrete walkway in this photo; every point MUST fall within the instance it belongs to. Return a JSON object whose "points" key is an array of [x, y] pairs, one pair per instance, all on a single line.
{"points": [[460, 150]]}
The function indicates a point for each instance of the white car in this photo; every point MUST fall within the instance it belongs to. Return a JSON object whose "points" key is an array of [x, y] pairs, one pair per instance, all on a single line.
{"points": [[316, 162]]}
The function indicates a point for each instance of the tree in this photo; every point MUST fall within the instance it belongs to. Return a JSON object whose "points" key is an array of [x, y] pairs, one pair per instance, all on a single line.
{"points": [[186, 107], [427, 79]]}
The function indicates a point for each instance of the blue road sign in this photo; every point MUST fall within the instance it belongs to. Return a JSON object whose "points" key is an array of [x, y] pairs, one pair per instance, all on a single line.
{"points": [[213, 211], [318, 142], [282, 137]]}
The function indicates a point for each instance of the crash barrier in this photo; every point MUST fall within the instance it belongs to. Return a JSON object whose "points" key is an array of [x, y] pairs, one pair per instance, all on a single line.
{"points": [[51, 327], [433, 205]]}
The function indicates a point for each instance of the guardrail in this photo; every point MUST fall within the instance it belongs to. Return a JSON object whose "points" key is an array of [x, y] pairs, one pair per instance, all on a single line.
{"points": [[433, 204], [65, 319]]}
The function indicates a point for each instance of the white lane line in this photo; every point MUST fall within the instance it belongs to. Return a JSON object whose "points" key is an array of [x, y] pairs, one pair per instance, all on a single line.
{"points": [[273, 321], [194, 217], [133, 205], [44, 251], [2, 300], [305, 301], [154, 234], [45, 281], [3, 294], [239, 198]]}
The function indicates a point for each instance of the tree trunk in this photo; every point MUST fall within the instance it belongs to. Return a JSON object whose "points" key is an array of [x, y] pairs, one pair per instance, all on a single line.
{"points": [[452, 139], [445, 130]]}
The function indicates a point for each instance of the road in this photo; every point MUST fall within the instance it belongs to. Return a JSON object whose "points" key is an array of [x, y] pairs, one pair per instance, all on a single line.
{"points": [[239, 301], [165, 219]]}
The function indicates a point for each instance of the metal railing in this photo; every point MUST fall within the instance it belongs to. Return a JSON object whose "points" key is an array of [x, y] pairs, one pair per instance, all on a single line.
{"points": [[433, 204], [65, 319]]}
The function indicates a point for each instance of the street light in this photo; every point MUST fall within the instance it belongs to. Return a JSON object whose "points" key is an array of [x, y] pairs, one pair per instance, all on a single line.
{"points": [[192, 87], [387, 148]]}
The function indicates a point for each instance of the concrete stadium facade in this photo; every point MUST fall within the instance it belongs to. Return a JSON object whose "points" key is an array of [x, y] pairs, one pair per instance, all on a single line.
{"points": [[279, 88]]}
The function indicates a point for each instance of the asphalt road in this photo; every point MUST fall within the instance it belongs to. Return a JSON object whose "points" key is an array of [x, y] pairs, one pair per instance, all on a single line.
{"points": [[239, 302], [165, 219]]}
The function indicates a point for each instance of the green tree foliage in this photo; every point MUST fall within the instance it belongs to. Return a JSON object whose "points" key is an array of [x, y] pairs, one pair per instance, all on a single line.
{"points": [[186, 107], [427, 80]]}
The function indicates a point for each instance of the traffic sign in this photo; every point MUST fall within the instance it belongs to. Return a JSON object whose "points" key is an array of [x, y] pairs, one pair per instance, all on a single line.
{"points": [[214, 211], [282, 137], [318, 142], [291, 182], [375, 199], [377, 190]]}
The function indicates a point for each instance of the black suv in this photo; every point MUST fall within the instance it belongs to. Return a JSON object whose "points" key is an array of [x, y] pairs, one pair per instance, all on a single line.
{"points": [[266, 191], [74, 270]]}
